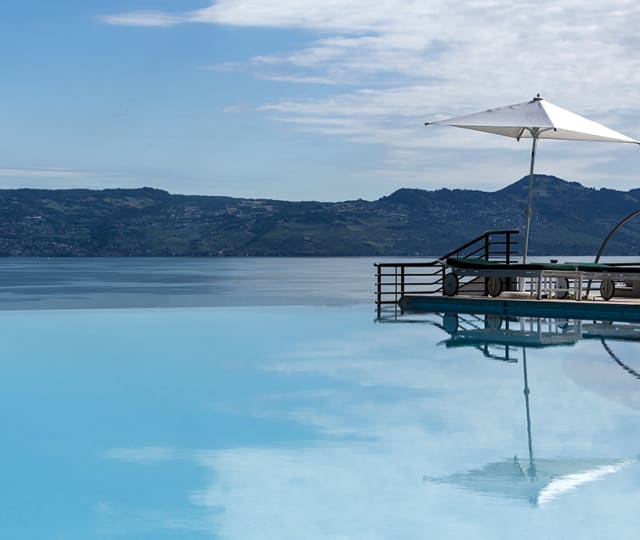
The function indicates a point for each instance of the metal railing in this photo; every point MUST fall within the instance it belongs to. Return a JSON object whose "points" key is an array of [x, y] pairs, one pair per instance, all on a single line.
{"points": [[394, 280]]}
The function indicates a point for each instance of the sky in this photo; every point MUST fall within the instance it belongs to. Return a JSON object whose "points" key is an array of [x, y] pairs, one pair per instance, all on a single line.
{"points": [[307, 99]]}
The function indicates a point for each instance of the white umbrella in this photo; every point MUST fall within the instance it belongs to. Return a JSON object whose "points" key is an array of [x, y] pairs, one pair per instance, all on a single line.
{"points": [[535, 119]]}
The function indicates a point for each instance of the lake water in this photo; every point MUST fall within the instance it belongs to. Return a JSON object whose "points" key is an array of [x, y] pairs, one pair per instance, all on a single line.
{"points": [[261, 399]]}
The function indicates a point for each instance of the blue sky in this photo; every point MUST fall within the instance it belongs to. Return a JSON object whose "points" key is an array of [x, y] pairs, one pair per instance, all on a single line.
{"points": [[306, 99]]}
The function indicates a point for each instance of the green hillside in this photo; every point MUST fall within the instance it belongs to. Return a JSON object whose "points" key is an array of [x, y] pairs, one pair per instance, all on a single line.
{"points": [[568, 219]]}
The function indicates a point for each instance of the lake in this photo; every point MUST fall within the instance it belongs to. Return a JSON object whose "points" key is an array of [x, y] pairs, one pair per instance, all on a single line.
{"points": [[261, 399]]}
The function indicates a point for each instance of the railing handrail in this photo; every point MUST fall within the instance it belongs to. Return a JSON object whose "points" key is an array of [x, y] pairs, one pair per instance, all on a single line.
{"points": [[437, 262], [400, 279], [487, 234]]}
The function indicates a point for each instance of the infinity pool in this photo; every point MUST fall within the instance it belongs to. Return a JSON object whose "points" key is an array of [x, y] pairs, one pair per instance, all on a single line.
{"points": [[303, 417]]}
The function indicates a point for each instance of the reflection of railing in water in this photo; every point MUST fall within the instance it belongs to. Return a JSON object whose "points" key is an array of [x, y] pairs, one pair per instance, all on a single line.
{"points": [[499, 337], [393, 280], [502, 337], [617, 360], [465, 325]]}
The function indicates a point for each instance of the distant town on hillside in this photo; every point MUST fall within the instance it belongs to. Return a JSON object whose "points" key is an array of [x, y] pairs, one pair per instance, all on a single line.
{"points": [[568, 219]]}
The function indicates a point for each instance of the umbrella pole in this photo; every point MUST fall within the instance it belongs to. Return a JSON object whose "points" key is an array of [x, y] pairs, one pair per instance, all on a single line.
{"points": [[534, 132]]}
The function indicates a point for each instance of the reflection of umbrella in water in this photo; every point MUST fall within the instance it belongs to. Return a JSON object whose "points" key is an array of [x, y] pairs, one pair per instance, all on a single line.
{"points": [[552, 478], [539, 481], [535, 119]]}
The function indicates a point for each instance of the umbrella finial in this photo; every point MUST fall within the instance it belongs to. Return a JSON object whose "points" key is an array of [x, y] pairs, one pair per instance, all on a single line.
{"points": [[538, 97]]}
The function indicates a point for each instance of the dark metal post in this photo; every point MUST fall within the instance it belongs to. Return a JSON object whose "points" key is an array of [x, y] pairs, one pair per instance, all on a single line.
{"points": [[535, 132], [379, 288], [395, 296]]}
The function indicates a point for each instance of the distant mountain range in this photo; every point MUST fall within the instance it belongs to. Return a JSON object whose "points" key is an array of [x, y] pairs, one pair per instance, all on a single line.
{"points": [[568, 219]]}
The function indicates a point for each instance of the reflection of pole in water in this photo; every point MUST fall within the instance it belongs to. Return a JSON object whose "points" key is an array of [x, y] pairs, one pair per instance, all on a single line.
{"points": [[531, 471]]}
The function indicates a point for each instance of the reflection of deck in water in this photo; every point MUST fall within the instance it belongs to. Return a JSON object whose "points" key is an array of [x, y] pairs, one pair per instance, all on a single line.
{"points": [[501, 337], [522, 332]]}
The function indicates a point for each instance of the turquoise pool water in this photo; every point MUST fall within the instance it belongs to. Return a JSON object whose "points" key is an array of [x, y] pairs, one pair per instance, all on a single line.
{"points": [[260, 399]]}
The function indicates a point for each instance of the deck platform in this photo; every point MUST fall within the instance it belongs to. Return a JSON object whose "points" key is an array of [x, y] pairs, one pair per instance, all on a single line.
{"points": [[483, 277], [616, 309]]}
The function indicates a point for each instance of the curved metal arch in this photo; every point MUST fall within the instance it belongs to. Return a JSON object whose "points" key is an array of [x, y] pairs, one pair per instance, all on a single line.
{"points": [[613, 231], [609, 236]]}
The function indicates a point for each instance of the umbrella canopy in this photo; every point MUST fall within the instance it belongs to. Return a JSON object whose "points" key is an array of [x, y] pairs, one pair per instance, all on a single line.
{"points": [[535, 119]]}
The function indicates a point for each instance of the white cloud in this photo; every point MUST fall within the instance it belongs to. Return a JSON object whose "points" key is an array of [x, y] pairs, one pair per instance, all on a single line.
{"points": [[64, 178], [487, 44], [144, 18], [224, 66], [409, 61], [296, 79], [68, 178], [332, 15], [54, 172], [143, 455]]}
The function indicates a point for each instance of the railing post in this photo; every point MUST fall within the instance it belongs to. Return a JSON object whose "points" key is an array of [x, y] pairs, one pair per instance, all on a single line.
{"points": [[508, 261], [379, 288], [402, 281], [395, 294], [486, 246]]}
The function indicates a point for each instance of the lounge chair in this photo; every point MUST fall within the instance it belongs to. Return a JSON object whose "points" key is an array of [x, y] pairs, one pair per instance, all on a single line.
{"points": [[550, 280]]}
